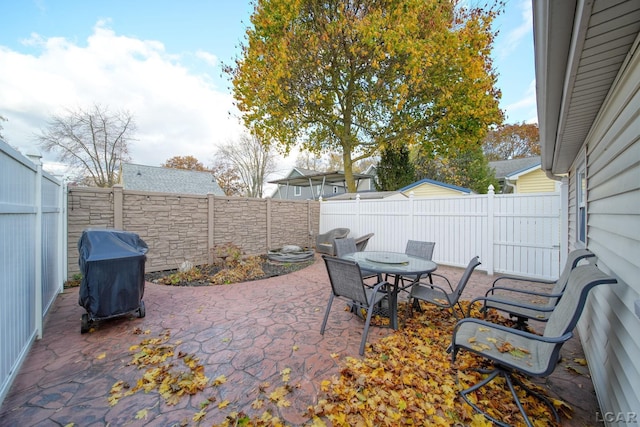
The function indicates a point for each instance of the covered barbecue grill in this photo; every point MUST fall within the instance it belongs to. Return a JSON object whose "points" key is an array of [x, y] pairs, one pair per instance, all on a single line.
{"points": [[112, 267]]}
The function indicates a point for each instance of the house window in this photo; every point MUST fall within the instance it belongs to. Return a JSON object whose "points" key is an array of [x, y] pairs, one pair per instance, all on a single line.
{"points": [[297, 191], [335, 190], [581, 203]]}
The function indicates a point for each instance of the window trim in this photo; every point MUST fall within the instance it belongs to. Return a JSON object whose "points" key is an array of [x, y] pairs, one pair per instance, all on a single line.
{"points": [[581, 203], [297, 191]]}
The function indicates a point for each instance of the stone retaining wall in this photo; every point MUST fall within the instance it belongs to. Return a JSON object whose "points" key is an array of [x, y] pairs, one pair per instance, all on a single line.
{"points": [[181, 227]]}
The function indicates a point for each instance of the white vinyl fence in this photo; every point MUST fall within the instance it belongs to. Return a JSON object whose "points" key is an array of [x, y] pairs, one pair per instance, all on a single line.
{"points": [[32, 255], [516, 234]]}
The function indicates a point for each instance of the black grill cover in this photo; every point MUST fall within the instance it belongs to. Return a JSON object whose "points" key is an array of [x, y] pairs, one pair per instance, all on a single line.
{"points": [[112, 267]]}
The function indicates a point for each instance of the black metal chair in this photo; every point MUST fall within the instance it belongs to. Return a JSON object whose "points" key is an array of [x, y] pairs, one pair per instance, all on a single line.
{"points": [[521, 301], [441, 296], [347, 282], [515, 352]]}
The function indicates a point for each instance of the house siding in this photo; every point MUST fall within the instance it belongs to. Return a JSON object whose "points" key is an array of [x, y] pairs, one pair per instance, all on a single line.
{"points": [[609, 327], [429, 190], [535, 182]]}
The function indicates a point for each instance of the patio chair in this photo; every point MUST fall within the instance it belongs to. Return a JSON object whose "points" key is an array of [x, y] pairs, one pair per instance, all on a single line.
{"points": [[349, 245], [514, 352], [440, 296], [418, 249], [347, 282], [362, 241], [511, 300], [324, 242]]}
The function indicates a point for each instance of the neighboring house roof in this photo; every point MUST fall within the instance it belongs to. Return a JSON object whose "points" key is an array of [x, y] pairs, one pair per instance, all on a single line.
{"points": [[166, 180], [305, 177], [438, 184], [368, 195], [580, 49], [509, 168]]}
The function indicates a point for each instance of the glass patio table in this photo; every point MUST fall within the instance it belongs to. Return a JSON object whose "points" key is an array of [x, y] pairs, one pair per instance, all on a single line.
{"points": [[396, 264]]}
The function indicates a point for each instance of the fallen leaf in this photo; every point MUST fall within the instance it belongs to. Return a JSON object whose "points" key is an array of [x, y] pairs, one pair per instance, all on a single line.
{"points": [[142, 414], [199, 415], [220, 379]]}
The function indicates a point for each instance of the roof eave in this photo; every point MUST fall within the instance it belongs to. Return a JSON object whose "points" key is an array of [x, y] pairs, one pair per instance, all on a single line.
{"points": [[552, 41]]}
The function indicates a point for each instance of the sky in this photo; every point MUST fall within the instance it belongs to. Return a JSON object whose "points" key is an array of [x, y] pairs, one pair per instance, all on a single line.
{"points": [[161, 60]]}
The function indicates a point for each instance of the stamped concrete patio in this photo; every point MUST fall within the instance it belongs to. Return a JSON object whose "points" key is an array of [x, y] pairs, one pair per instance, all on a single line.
{"points": [[248, 332]]}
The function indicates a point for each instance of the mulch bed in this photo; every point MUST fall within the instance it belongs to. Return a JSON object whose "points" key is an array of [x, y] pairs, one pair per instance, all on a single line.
{"points": [[270, 269]]}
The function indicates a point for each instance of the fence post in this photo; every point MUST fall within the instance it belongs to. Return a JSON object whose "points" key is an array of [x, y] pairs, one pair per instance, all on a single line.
{"points": [[490, 236], [411, 214], [359, 225], [210, 225], [62, 233], [309, 225], [118, 197], [36, 159], [268, 236]]}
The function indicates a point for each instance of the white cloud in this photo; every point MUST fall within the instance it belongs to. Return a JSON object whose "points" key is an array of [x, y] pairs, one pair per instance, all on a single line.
{"points": [[207, 57], [510, 41], [178, 112], [526, 106]]}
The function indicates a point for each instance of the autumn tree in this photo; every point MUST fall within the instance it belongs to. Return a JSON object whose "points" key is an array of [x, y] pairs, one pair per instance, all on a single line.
{"points": [[227, 177], [394, 170], [467, 168], [184, 162], [354, 77], [93, 140], [512, 141], [253, 160]]}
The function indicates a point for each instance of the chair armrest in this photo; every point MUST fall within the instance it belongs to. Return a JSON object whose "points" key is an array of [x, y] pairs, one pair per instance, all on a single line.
{"points": [[512, 303], [519, 332], [520, 291], [447, 280], [377, 286], [523, 279]]}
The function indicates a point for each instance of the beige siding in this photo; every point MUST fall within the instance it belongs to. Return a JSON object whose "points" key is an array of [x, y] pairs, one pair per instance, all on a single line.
{"points": [[430, 190], [535, 182], [609, 327]]}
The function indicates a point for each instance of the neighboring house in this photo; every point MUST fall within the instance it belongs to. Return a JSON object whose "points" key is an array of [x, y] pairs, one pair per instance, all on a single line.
{"points": [[368, 195], [368, 184], [588, 80], [306, 184], [166, 180], [523, 176], [430, 188]]}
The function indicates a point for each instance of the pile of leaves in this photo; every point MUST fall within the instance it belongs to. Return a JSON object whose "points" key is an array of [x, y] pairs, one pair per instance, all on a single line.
{"points": [[405, 379]]}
